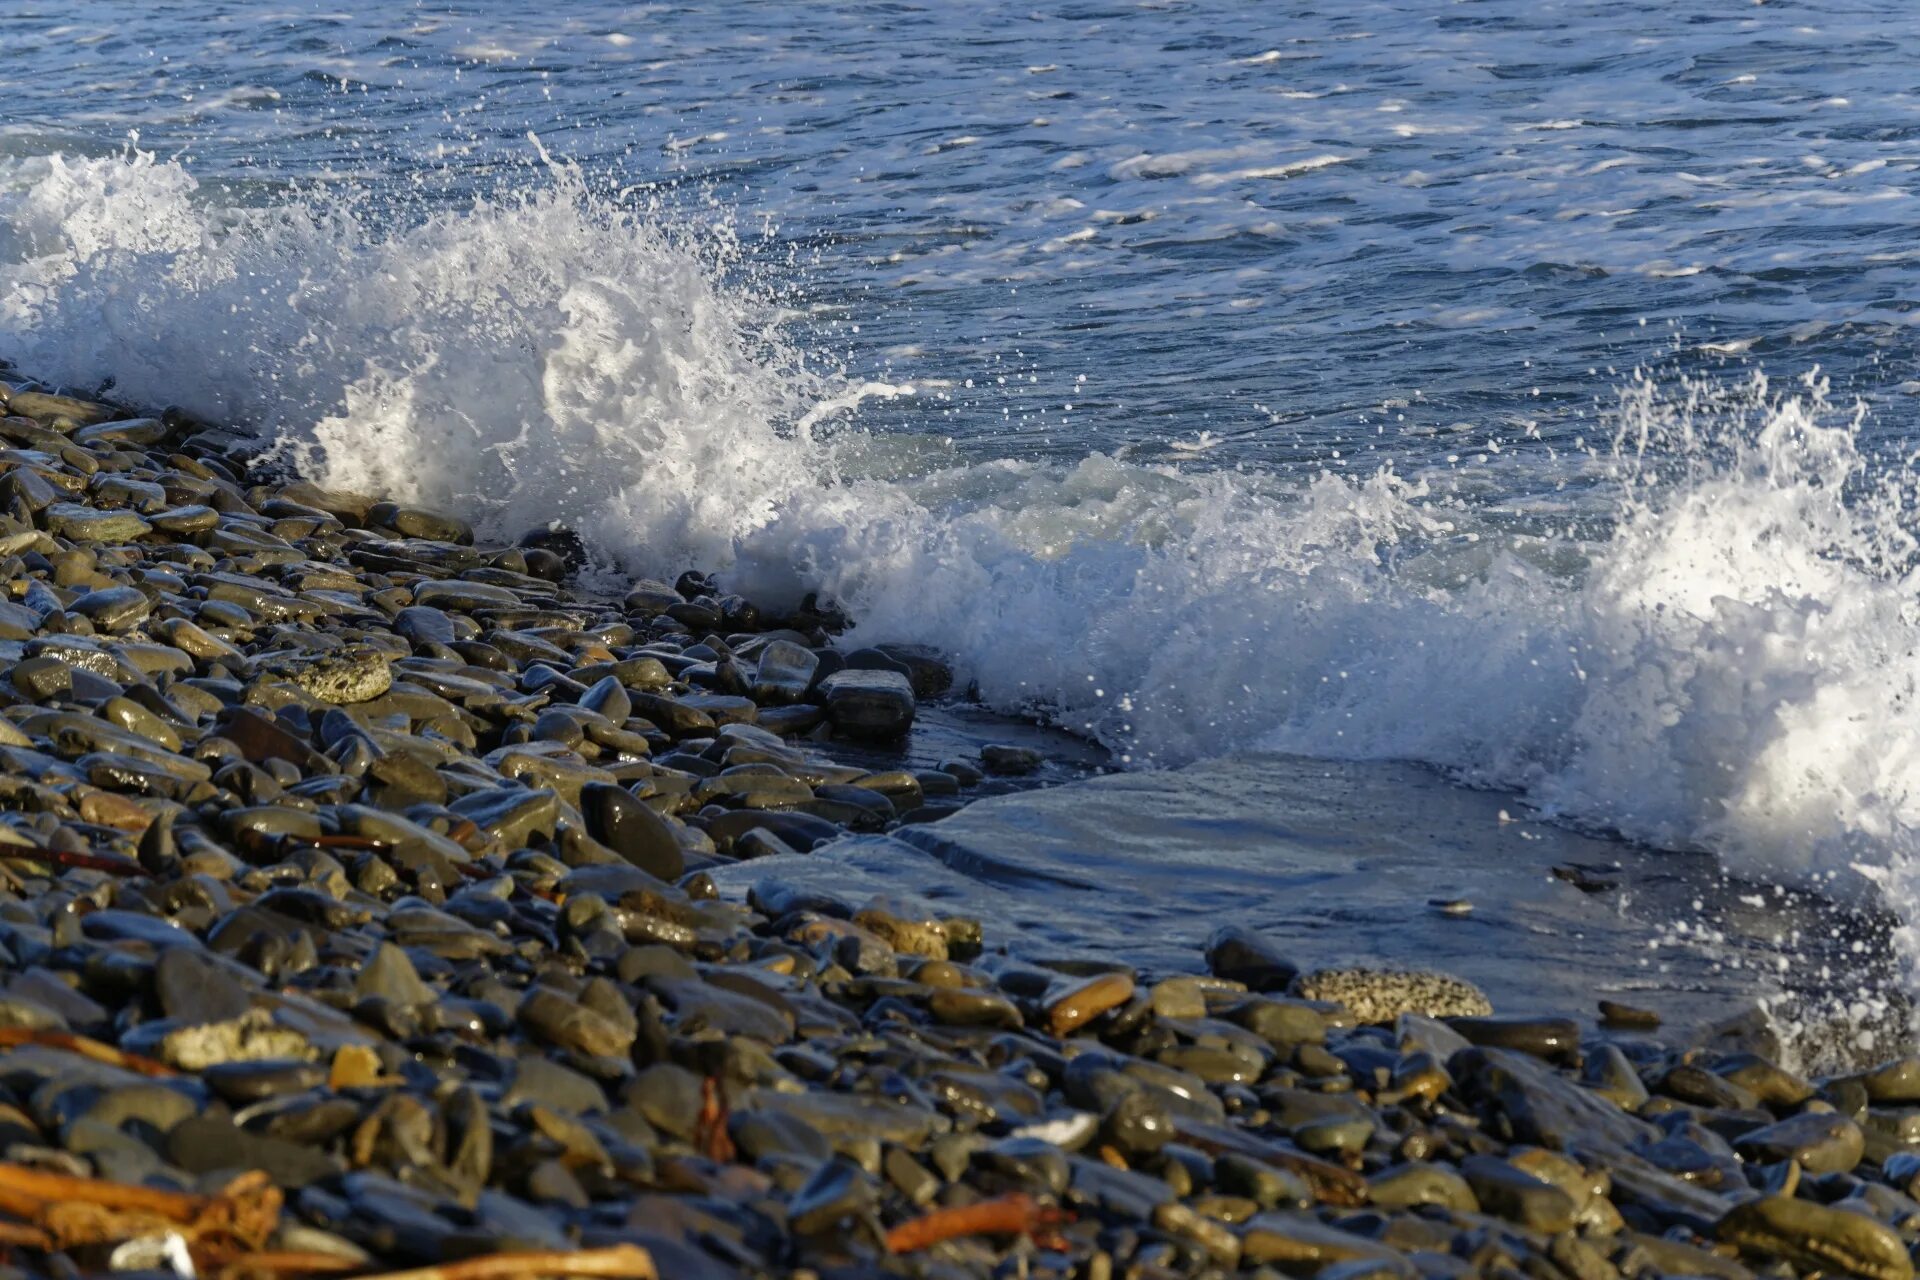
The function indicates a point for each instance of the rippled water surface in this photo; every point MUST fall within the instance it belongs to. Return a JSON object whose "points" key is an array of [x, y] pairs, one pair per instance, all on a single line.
{"points": [[1520, 388], [1275, 221]]}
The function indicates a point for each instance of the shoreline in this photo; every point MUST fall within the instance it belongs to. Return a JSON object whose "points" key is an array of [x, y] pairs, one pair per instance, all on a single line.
{"points": [[339, 849]]}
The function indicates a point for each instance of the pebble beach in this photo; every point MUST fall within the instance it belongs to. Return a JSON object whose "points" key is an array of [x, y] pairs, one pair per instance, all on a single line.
{"points": [[357, 916]]}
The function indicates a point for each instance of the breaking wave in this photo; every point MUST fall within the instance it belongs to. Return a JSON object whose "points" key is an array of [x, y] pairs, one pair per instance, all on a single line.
{"points": [[1729, 662]]}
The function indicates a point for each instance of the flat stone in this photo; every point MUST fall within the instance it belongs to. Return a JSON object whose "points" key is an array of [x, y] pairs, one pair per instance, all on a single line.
{"points": [[1017, 761], [571, 1025], [344, 678], [207, 1144], [1518, 1196], [1816, 1237], [418, 522], [42, 406], [875, 705], [194, 987], [78, 523], [390, 975], [1296, 1242], [113, 608], [1382, 995], [1821, 1143]]}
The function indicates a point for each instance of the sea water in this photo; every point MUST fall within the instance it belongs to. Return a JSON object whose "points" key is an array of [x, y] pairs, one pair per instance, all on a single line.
{"points": [[1519, 389]]}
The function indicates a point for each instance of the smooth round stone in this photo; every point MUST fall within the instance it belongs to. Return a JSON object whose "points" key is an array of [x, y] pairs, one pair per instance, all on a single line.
{"points": [[1138, 1123], [1819, 1143], [1088, 1001], [1626, 1017], [1213, 1064], [204, 1144], [631, 828], [1335, 1134], [648, 597], [1382, 995], [423, 625], [390, 976], [1010, 760], [44, 406], [1895, 1081], [973, 1009], [1518, 1196], [41, 679], [1702, 1088], [1766, 1081], [759, 1134], [542, 1080], [1301, 1243], [1551, 1038], [1178, 997], [417, 522], [511, 814], [571, 1025], [1408, 1186], [1027, 1162], [130, 926], [182, 522], [243, 1083], [194, 987], [838, 1191], [113, 608], [1240, 955], [1816, 1237], [125, 431], [784, 673]]}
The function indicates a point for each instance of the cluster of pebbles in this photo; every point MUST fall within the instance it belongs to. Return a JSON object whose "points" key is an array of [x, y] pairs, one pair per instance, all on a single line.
{"points": [[381, 860]]}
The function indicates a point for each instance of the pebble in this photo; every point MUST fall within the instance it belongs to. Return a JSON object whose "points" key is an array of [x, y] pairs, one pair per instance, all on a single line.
{"points": [[1383, 995], [875, 705]]}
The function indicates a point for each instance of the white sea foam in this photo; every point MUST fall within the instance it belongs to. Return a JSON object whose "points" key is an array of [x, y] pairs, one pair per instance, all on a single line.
{"points": [[1732, 666]]}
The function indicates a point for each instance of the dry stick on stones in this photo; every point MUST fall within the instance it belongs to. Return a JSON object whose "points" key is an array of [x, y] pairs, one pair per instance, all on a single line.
{"points": [[20, 1235], [13, 1037], [79, 1211], [616, 1262], [277, 1262], [85, 861], [1017, 1214], [710, 1134]]}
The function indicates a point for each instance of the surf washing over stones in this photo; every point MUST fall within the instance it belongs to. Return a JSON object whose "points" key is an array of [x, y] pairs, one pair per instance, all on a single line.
{"points": [[1700, 631]]}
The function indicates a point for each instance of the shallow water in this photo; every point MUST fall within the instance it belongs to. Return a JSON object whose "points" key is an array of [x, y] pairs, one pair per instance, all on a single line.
{"points": [[1344, 863], [1203, 378]]}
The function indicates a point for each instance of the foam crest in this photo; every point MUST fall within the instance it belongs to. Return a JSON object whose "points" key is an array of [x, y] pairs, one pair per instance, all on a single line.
{"points": [[1733, 666], [537, 356]]}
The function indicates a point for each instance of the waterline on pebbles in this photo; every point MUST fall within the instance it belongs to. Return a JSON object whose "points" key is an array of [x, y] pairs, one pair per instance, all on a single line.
{"points": [[369, 857]]}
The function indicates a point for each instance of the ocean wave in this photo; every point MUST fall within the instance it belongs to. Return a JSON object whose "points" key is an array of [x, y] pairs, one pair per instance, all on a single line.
{"points": [[1730, 665]]}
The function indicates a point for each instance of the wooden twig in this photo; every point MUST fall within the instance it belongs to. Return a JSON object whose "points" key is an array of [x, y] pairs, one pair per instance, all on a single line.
{"points": [[710, 1136], [98, 1051], [616, 1262], [56, 1188], [226, 1264], [20, 1235], [1017, 1214], [81, 1211], [65, 858]]}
